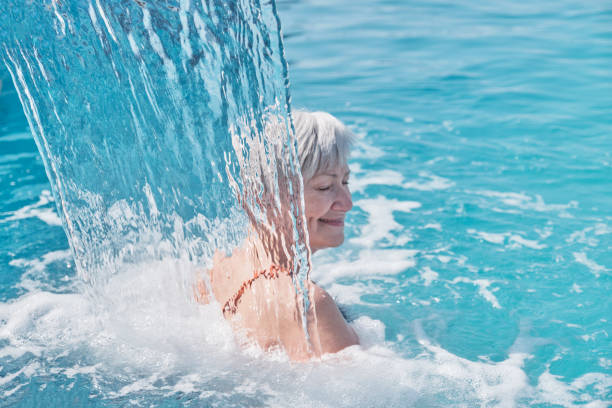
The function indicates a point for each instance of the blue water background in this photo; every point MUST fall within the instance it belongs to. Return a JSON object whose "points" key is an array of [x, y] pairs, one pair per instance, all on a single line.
{"points": [[485, 130], [511, 103]]}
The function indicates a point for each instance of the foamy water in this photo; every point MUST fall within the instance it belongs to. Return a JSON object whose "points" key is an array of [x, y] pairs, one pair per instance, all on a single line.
{"points": [[142, 339], [477, 263]]}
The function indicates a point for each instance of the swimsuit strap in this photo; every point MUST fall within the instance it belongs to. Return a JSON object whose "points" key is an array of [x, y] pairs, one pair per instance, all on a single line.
{"points": [[232, 304]]}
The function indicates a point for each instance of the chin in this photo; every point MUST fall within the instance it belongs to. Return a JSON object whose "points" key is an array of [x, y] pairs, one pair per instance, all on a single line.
{"points": [[328, 243], [337, 243]]}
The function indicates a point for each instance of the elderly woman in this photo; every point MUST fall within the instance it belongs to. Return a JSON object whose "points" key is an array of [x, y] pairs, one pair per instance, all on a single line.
{"points": [[263, 306]]}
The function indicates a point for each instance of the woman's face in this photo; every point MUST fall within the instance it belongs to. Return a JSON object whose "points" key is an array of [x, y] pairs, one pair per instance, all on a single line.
{"points": [[327, 198]]}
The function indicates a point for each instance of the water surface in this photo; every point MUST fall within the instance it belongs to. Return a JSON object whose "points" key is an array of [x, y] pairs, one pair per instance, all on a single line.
{"points": [[478, 256]]}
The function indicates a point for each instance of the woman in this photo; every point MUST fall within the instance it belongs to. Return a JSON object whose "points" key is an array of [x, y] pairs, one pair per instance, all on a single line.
{"points": [[257, 295]]}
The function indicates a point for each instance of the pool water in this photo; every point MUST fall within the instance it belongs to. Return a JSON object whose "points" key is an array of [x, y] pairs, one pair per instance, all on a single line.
{"points": [[478, 258]]}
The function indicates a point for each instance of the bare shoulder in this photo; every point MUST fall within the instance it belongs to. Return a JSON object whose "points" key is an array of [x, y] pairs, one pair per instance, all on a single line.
{"points": [[333, 331], [323, 300]]}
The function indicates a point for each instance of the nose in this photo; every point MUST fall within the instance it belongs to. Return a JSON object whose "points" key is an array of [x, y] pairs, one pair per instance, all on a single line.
{"points": [[343, 201]]}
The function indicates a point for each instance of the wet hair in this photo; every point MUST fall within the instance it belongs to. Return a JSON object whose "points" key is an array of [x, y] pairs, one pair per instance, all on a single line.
{"points": [[323, 142]]}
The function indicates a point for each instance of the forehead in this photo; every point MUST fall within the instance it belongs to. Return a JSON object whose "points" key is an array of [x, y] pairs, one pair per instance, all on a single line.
{"points": [[340, 170]]}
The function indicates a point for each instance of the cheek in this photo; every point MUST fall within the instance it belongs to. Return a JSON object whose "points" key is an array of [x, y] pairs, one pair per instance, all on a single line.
{"points": [[313, 205]]}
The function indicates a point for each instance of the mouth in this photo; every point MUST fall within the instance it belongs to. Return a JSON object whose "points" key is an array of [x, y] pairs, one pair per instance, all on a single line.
{"points": [[334, 222]]}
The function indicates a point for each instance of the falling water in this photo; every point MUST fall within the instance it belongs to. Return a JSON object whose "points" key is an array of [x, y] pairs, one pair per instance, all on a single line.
{"points": [[154, 119], [477, 259]]}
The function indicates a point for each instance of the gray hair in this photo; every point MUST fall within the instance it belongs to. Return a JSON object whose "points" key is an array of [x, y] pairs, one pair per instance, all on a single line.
{"points": [[323, 142]]}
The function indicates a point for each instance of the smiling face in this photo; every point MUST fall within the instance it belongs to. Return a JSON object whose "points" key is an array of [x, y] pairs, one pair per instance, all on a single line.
{"points": [[327, 199]]}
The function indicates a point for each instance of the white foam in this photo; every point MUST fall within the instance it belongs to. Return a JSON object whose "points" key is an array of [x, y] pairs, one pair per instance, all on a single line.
{"points": [[40, 264], [381, 222], [444, 258], [551, 390], [28, 370], [576, 288], [588, 235], [428, 275], [450, 159], [160, 343], [142, 326], [511, 240], [448, 125], [593, 266], [368, 263], [605, 362], [148, 304], [436, 226], [483, 289], [500, 384], [593, 336], [377, 177], [363, 150], [488, 236], [526, 202], [351, 294], [371, 332], [602, 229], [583, 238], [544, 232], [35, 276], [428, 182], [37, 210], [518, 241]]}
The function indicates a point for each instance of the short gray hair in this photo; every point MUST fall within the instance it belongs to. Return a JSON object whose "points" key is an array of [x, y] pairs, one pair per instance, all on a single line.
{"points": [[323, 141]]}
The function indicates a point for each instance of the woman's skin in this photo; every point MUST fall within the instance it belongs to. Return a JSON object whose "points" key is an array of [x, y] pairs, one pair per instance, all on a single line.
{"points": [[269, 311], [328, 199]]}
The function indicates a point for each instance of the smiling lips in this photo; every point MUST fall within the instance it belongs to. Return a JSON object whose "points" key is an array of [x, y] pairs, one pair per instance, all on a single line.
{"points": [[335, 222]]}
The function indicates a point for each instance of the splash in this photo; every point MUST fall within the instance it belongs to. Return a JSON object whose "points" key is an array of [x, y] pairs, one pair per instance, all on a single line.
{"points": [[158, 123]]}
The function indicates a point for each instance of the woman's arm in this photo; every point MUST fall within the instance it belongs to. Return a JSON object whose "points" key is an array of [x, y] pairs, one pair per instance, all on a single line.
{"points": [[330, 328]]}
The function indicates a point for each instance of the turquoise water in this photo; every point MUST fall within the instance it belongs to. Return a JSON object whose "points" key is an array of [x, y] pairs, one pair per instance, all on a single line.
{"points": [[478, 258]]}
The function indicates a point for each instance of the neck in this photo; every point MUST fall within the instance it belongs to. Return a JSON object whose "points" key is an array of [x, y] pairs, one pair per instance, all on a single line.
{"points": [[266, 251]]}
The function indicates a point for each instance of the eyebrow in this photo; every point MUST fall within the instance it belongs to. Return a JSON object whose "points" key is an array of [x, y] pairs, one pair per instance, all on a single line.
{"points": [[333, 174]]}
